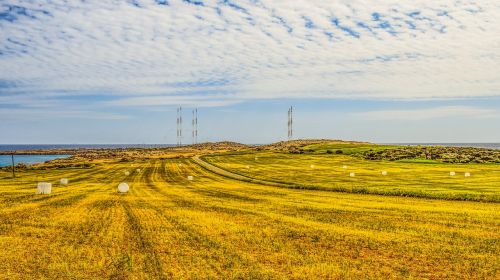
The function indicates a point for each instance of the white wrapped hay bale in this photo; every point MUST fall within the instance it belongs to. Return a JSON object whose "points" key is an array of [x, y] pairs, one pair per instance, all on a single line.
{"points": [[467, 174], [123, 188], [44, 188], [190, 178], [384, 173], [63, 181], [452, 173], [126, 173], [352, 174]]}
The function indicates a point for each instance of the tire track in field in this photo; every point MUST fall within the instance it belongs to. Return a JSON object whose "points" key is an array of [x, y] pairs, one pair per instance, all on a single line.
{"points": [[152, 260], [138, 233], [191, 234]]}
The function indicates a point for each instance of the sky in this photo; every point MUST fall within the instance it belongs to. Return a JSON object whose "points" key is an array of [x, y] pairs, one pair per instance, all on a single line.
{"points": [[110, 71]]}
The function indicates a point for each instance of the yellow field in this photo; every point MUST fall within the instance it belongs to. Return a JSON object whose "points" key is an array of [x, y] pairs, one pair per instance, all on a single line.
{"points": [[215, 227], [331, 172]]}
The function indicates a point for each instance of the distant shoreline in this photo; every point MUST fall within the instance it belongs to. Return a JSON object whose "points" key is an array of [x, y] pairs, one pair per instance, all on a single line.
{"points": [[495, 146], [65, 148]]}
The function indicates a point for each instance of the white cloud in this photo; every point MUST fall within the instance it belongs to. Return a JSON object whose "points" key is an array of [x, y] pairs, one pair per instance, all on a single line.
{"points": [[150, 55], [428, 113], [43, 114]]}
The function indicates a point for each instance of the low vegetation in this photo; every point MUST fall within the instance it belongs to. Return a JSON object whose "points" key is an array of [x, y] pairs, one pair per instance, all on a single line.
{"points": [[440, 154]]}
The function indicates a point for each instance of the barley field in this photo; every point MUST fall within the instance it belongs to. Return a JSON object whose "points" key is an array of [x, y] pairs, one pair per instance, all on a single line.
{"points": [[167, 227]]}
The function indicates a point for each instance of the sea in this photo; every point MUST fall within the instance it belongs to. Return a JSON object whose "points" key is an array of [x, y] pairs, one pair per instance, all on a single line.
{"points": [[6, 160]]}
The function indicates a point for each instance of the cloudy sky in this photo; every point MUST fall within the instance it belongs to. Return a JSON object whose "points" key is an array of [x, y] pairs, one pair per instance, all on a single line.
{"points": [[114, 71]]}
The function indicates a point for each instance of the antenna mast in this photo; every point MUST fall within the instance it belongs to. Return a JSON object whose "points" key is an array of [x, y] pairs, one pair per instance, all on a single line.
{"points": [[179, 126], [177, 131], [290, 123], [194, 124]]}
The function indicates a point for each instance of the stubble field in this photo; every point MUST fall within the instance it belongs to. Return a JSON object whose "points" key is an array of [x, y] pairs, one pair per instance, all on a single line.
{"points": [[216, 227]]}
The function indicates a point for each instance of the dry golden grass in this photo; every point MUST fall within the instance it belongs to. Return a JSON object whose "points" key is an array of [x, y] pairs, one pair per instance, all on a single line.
{"points": [[214, 227]]}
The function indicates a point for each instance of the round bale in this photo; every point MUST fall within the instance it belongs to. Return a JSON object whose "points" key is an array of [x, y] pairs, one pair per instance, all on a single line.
{"points": [[123, 188]]}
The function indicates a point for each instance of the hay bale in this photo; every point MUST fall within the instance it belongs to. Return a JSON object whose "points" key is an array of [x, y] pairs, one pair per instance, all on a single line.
{"points": [[190, 178], [44, 188], [467, 174], [352, 174], [452, 173], [384, 173], [63, 181], [123, 188], [138, 170], [126, 173]]}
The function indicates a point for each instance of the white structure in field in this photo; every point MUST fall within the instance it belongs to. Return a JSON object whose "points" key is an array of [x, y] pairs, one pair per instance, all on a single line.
{"points": [[190, 178], [137, 170], [126, 173], [467, 174], [384, 173], [123, 188], [63, 181], [44, 188], [452, 173], [352, 174]]}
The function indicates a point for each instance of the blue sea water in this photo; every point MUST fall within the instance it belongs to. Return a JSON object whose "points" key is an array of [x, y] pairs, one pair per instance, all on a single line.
{"points": [[6, 160]]}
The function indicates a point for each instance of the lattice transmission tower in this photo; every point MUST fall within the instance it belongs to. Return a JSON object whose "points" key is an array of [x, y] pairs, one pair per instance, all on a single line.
{"points": [[290, 123], [179, 126], [195, 126]]}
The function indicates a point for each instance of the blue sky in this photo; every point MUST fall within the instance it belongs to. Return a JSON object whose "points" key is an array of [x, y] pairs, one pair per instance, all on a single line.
{"points": [[382, 71]]}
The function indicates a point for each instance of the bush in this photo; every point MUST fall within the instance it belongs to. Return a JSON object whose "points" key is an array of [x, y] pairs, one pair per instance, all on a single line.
{"points": [[443, 154]]}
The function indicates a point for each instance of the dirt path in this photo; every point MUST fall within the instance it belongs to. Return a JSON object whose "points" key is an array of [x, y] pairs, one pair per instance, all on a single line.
{"points": [[228, 174]]}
